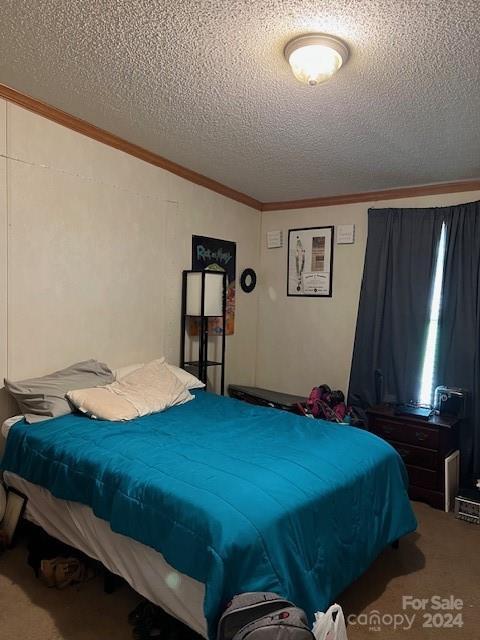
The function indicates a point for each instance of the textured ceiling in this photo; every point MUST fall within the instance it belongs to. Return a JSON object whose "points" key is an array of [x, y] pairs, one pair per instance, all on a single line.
{"points": [[205, 84]]}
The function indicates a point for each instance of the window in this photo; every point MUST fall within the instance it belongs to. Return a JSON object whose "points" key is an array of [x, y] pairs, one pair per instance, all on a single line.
{"points": [[430, 354]]}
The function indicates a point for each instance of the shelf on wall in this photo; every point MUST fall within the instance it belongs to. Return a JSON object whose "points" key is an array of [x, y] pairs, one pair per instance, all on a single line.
{"points": [[208, 363]]}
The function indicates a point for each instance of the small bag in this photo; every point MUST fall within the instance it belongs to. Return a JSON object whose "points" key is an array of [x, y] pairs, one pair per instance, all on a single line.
{"points": [[245, 608], [286, 624], [326, 404], [330, 625]]}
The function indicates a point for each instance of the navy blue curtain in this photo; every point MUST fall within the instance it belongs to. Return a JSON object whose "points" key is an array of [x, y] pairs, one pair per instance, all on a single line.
{"points": [[459, 336], [394, 311], [394, 303]]}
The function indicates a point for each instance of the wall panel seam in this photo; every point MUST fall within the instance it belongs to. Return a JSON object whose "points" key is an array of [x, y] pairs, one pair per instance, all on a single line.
{"points": [[86, 178], [7, 248]]}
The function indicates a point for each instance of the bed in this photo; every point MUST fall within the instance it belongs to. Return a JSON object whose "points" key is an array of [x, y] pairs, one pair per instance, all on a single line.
{"points": [[215, 497]]}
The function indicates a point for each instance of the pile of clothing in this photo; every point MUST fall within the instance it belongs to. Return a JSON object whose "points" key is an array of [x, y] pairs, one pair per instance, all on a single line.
{"points": [[56, 564], [325, 404]]}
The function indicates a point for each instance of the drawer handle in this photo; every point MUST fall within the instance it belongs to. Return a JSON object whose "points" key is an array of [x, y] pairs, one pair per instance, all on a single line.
{"points": [[403, 452], [421, 436]]}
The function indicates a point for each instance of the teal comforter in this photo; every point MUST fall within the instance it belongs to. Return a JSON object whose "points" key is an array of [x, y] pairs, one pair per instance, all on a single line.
{"points": [[239, 497]]}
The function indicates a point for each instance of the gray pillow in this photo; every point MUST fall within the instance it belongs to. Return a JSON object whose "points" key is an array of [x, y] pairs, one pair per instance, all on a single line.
{"points": [[43, 398]]}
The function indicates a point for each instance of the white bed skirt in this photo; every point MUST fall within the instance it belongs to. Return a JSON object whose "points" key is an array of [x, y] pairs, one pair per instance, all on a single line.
{"points": [[142, 567]]}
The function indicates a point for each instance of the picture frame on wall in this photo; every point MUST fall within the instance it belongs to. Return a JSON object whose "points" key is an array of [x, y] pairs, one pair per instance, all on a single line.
{"points": [[15, 503], [310, 262]]}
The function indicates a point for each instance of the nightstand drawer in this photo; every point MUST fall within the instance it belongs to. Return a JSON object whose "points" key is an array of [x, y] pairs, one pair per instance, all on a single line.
{"points": [[405, 432], [423, 478], [416, 456]]}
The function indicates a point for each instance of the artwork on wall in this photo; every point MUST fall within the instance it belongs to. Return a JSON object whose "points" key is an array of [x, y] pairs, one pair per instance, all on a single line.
{"points": [[12, 505], [216, 255], [310, 262]]}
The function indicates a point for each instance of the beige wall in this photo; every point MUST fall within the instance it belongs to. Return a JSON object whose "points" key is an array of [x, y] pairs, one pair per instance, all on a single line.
{"points": [[303, 342], [92, 245]]}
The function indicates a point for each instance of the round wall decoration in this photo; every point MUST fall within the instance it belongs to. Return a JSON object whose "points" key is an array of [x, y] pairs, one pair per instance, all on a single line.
{"points": [[248, 280]]}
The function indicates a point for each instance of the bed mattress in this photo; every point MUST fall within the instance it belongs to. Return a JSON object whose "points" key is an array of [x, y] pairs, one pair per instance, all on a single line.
{"points": [[238, 497], [145, 570]]}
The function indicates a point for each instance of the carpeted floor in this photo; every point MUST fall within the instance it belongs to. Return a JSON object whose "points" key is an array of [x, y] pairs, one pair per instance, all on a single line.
{"points": [[441, 559]]}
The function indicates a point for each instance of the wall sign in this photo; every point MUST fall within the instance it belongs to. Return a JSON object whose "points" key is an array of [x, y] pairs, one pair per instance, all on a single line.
{"points": [[345, 234], [274, 239], [310, 262]]}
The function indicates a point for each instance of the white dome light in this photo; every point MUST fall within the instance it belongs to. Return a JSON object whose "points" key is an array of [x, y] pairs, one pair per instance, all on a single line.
{"points": [[314, 58]]}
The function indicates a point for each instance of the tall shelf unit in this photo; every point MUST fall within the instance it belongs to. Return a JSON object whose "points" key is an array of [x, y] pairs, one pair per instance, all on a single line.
{"points": [[204, 297]]}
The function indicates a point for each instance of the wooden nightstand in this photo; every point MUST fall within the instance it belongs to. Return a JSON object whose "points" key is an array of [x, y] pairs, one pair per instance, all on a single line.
{"points": [[423, 445], [266, 398]]}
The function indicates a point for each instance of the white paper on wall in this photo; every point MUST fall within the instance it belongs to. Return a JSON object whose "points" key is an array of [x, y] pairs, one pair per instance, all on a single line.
{"points": [[274, 239], [345, 234]]}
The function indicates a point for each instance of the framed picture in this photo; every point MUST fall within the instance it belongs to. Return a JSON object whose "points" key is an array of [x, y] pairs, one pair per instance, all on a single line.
{"points": [[15, 505], [310, 262]]}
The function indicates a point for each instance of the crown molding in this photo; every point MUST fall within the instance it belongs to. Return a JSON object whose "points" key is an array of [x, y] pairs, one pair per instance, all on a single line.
{"points": [[372, 196], [90, 130]]}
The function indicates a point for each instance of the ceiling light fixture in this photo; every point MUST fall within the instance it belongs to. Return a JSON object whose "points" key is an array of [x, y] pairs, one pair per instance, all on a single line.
{"points": [[315, 57]]}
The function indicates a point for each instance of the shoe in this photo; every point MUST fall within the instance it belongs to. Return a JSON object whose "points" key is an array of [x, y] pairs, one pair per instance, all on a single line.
{"points": [[61, 572]]}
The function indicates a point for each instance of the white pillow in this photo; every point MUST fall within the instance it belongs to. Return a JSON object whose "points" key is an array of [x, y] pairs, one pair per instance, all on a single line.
{"points": [[103, 403], [121, 372], [146, 390], [189, 380]]}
